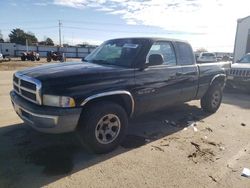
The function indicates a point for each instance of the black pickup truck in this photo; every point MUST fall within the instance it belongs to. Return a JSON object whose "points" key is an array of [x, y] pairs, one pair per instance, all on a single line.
{"points": [[121, 78]]}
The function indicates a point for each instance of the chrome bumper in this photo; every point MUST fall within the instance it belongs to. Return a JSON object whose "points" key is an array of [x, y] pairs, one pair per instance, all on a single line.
{"points": [[46, 119]]}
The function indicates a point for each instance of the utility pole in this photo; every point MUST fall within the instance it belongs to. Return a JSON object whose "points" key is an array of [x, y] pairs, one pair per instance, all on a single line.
{"points": [[26, 41], [60, 40]]}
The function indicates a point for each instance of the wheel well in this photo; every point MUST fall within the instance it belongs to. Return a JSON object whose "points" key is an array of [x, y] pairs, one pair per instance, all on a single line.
{"points": [[123, 100], [219, 79]]}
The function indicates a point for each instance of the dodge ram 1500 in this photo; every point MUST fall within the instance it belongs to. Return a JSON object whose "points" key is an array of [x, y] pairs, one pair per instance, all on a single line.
{"points": [[120, 79]]}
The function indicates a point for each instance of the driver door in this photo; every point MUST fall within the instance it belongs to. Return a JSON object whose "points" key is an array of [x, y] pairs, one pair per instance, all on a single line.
{"points": [[160, 85]]}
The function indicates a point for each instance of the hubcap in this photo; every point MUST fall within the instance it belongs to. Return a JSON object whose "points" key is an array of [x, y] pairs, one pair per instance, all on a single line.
{"points": [[107, 129], [216, 99]]}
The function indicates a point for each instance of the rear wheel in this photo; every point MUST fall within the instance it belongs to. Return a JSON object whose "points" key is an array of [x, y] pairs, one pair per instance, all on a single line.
{"points": [[32, 58], [103, 126], [211, 101], [48, 59], [23, 58]]}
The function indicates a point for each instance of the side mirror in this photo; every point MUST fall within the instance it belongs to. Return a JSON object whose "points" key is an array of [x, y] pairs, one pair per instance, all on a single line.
{"points": [[155, 59]]}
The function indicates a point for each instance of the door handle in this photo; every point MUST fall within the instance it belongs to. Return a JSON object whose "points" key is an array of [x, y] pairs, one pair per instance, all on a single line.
{"points": [[179, 74]]}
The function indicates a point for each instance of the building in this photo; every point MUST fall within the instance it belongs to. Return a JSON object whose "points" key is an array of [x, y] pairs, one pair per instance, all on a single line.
{"points": [[242, 38], [7, 48], [15, 50]]}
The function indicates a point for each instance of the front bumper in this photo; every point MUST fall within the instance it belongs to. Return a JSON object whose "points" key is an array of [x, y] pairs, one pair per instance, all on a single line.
{"points": [[238, 82], [46, 119]]}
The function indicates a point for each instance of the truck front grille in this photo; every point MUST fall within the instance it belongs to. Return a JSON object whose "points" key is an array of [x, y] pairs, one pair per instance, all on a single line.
{"points": [[240, 73], [27, 87]]}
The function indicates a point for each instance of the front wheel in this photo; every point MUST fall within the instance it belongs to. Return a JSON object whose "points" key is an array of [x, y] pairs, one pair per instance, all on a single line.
{"points": [[48, 59], [103, 126], [211, 101]]}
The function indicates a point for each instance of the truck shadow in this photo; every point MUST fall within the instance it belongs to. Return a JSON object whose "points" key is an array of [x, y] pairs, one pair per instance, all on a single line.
{"points": [[28, 155]]}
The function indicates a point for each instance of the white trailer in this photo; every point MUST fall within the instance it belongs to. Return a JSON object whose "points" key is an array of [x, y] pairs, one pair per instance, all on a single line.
{"points": [[7, 48], [242, 38]]}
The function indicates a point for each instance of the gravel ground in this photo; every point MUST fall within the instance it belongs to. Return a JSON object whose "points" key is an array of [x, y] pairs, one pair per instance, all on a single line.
{"points": [[178, 147], [17, 64]]}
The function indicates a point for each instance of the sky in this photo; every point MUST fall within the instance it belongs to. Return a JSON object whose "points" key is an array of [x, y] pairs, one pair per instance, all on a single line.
{"points": [[209, 24]]}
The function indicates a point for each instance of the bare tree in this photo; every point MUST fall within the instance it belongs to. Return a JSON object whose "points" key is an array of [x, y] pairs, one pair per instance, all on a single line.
{"points": [[1, 36], [201, 50]]}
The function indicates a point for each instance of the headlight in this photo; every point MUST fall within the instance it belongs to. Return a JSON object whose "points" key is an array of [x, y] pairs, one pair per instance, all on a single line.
{"points": [[58, 101]]}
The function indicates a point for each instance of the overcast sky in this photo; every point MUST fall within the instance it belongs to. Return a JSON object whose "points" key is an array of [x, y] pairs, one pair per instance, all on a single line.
{"points": [[204, 23]]}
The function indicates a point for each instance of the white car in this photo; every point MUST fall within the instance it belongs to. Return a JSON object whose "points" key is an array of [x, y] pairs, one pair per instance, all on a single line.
{"points": [[207, 57]]}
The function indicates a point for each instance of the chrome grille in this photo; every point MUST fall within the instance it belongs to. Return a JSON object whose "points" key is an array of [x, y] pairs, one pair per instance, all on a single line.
{"points": [[27, 87], [240, 72]]}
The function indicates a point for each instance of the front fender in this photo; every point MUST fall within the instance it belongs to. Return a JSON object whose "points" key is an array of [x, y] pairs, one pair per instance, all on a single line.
{"points": [[221, 78], [111, 93]]}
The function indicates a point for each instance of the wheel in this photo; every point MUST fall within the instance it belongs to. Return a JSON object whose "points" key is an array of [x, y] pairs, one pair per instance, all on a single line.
{"points": [[32, 58], [102, 127], [48, 59], [23, 58], [211, 101], [38, 59]]}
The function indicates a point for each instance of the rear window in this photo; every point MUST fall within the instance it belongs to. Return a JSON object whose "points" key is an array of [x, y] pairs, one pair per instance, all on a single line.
{"points": [[185, 54]]}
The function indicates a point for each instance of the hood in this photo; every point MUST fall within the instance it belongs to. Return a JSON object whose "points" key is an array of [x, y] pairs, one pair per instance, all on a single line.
{"points": [[75, 78], [64, 70], [241, 65]]}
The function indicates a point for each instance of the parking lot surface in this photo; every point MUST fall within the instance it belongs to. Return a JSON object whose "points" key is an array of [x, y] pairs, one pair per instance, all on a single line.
{"points": [[178, 147]]}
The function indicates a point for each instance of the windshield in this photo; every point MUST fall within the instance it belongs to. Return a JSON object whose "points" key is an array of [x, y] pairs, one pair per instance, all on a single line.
{"points": [[208, 54], [245, 59], [118, 52]]}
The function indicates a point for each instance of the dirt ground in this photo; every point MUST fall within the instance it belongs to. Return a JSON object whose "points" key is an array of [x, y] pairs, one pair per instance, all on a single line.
{"points": [[162, 149], [17, 64]]}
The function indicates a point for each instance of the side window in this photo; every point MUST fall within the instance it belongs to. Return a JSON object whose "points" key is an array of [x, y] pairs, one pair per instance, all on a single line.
{"points": [[185, 54], [166, 50]]}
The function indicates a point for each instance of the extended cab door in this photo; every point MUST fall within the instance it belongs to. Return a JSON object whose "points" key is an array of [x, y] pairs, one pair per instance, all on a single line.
{"points": [[160, 85], [190, 71]]}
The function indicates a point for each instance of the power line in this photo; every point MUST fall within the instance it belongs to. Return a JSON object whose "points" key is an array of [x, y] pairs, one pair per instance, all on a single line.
{"points": [[109, 30], [98, 23], [27, 28], [122, 31], [28, 21]]}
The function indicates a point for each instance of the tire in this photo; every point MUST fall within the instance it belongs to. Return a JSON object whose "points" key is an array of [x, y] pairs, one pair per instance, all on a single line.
{"points": [[23, 58], [97, 125], [48, 59], [211, 101]]}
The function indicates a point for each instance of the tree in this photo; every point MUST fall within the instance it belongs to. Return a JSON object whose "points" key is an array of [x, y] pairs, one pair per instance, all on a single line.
{"points": [[19, 36], [1, 37], [31, 38], [201, 50], [49, 42]]}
